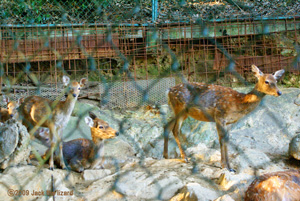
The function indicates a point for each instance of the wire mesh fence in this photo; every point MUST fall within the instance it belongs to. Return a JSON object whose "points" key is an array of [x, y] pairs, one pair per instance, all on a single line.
{"points": [[131, 53], [139, 11]]}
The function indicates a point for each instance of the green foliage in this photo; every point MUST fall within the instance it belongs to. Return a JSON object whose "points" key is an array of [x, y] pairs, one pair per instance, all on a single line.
{"points": [[291, 80]]}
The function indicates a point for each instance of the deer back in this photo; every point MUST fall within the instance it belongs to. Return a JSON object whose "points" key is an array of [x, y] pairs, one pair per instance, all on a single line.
{"points": [[206, 102], [80, 150], [34, 109]]}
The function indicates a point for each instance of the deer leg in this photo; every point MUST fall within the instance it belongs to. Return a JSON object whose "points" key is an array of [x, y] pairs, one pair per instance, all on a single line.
{"points": [[224, 139], [52, 130], [167, 129], [61, 155], [99, 158], [176, 131]]}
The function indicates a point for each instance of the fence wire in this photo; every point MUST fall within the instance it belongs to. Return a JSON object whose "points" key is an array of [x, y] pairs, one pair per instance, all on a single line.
{"points": [[131, 53]]}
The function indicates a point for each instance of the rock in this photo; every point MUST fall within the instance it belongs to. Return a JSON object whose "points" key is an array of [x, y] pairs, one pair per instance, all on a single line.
{"points": [[14, 144], [31, 179], [117, 153], [9, 140], [89, 175], [294, 147], [228, 180], [201, 151], [150, 180], [195, 192], [159, 184], [225, 198], [251, 158]]}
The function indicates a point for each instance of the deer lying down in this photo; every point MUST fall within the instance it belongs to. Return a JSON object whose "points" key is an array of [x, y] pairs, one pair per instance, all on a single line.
{"points": [[10, 112], [81, 153], [284, 185], [213, 103]]}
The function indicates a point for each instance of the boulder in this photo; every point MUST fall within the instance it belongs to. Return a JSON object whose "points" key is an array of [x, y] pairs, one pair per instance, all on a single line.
{"points": [[294, 147], [14, 144], [30, 179]]}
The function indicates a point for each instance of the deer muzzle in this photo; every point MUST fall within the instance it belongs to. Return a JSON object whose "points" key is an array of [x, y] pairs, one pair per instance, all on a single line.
{"points": [[279, 93]]}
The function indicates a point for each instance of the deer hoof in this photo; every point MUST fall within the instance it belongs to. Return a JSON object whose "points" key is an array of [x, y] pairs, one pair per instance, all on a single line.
{"points": [[51, 168], [232, 170], [186, 160], [63, 166], [80, 170]]}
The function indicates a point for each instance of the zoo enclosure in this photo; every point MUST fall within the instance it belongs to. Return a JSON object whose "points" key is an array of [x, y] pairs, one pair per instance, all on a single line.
{"points": [[134, 56], [111, 44]]}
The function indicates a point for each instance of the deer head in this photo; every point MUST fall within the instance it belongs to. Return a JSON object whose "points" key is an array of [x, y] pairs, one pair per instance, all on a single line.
{"points": [[74, 87], [267, 83], [100, 129]]}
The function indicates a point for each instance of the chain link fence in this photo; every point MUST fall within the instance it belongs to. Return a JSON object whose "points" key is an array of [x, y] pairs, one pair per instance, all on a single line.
{"points": [[131, 53], [139, 11]]}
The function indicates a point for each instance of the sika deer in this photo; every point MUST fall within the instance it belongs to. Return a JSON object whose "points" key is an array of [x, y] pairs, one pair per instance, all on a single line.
{"points": [[10, 112], [37, 111], [213, 103], [81, 153], [284, 185]]}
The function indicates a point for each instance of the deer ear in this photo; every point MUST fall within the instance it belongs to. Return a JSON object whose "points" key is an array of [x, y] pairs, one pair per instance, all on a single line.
{"points": [[20, 100], [5, 99], [66, 80], [256, 71], [92, 115], [278, 74], [43, 132], [83, 82], [89, 121]]}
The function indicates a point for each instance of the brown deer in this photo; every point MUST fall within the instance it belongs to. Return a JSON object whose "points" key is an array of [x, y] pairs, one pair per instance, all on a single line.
{"points": [[283, 185], [81, 153], [10, 112], [213, 103], [36, 111]]}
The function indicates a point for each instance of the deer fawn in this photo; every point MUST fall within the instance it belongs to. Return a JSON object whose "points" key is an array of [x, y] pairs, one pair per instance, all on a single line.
{"points": [[213, 103], [10, 112], [284, 185], [37, 111], [81, 153]]}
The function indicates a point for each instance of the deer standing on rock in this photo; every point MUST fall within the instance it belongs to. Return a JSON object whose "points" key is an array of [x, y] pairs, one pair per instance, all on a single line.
{"points": [[10, 112], [37, 111], [81, 153], [213, 103]]}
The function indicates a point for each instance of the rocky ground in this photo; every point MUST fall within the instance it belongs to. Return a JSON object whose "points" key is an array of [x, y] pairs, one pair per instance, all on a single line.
{"points": [[135, 169]]}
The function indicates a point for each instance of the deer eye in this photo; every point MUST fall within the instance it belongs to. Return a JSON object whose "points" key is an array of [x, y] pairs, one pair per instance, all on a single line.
{"points": [[267, 82], [101, 127]]}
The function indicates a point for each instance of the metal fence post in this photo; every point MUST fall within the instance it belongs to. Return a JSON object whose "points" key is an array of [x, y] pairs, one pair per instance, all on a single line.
{"points": [[154, 10]]}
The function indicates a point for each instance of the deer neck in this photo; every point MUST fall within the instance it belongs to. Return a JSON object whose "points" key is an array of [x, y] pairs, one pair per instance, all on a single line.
{"points": [[69, 104], [97, 141], [98, 147], [254, 96]]}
